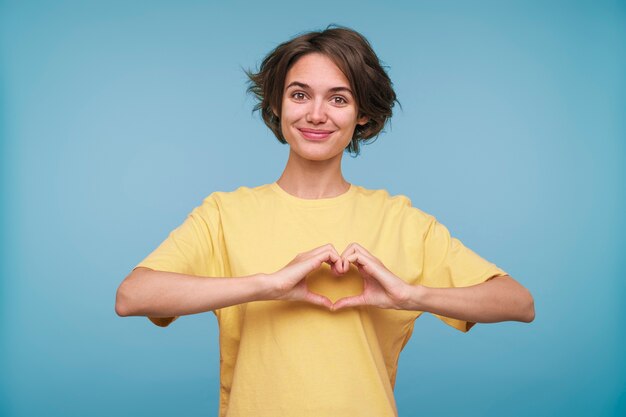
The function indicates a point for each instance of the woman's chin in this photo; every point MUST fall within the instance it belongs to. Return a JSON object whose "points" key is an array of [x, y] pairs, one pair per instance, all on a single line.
{"points": [[316, 154]]}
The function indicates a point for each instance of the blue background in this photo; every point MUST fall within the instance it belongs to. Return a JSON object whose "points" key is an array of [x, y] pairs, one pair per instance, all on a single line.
{"points": [[117, 118]]}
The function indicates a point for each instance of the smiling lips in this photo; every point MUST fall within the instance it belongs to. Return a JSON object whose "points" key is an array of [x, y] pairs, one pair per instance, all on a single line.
{"points": [[313, 134]]}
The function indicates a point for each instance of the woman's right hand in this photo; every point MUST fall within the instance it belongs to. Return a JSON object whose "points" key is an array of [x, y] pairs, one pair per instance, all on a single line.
{"points": [[289, 282]]}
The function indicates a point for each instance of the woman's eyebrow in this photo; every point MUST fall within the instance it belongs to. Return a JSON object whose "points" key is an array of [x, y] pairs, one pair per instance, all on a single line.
{"points": [[308, 87]]}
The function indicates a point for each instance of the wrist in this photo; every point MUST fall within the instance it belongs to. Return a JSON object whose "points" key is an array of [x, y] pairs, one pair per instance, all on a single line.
{"points": [[417, 295], [266, 287]]}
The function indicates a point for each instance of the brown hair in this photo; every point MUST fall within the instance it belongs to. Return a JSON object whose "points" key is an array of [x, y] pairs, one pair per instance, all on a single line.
{"points": [[354, 56]]}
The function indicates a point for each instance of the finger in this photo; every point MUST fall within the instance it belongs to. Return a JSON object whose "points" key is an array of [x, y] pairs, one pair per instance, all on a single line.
{"points": [[318, 299], [323, 248], [348, 250], [362, 249], [355, 300], [306, 266], [351, 249], [327, 248], [354, 246], [365, 254], [375, 269], [337, 268], [365, 258], [366, 266], [331, 257], [358, 258], [309, 265]]}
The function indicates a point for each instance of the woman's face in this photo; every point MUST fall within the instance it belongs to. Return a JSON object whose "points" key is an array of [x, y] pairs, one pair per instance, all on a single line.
{"points": [[319, 112]]}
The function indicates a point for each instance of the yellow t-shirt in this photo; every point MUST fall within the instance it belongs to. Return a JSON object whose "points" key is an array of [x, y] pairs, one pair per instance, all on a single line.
{"points": [[281, 358]]}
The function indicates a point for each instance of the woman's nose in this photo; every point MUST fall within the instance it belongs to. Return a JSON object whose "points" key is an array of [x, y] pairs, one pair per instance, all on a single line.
{"points": [[316, 112]]}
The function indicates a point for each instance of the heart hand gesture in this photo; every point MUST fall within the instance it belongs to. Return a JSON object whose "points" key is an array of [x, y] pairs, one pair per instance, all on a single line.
{"points": [[381, 288], [290, 283]]}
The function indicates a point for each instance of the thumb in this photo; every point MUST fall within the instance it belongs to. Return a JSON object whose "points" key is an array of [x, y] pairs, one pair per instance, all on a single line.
{"points": [[353, 301], [318, 299]]}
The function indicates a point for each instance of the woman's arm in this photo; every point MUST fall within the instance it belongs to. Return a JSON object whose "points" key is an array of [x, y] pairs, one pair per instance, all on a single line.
{"points": [[146, 292], [159, 294], [500, 298]]}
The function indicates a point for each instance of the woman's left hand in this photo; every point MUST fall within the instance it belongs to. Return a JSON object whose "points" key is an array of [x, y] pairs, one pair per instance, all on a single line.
{"points": [[381, 288]]}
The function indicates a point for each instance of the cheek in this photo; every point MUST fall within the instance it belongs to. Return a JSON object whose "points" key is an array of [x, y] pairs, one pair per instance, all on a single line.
{"points": [[291, 111], [347, 120]]}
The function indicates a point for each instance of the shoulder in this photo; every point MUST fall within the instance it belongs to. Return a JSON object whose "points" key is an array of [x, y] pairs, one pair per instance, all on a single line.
{"points": [[239, 196], [395, 203], [222, 204], [381, 196]]}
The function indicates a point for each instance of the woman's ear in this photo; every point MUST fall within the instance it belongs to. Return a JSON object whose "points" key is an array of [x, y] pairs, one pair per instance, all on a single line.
{"points": [[362, 120]]}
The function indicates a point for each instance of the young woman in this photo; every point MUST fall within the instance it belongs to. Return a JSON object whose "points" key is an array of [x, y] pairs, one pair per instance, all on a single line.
{"points": [[316, 282]]}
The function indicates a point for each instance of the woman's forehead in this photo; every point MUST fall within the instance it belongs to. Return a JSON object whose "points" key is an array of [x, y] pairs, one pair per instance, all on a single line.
{"points": [[316, 71]]}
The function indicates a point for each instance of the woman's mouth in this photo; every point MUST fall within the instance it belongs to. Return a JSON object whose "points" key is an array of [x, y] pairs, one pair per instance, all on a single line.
{"points": [[313, 134]]}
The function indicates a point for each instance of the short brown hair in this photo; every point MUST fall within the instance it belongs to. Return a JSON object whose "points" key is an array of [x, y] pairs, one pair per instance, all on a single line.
{"points": [[354, 56]]}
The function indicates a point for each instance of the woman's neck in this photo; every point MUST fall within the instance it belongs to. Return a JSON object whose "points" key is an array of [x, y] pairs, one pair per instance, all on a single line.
{"points": [[313, 179]]}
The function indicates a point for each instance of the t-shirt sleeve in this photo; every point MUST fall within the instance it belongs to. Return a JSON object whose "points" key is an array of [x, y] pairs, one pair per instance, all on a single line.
{"points": [[193, 248], [449, 264]]}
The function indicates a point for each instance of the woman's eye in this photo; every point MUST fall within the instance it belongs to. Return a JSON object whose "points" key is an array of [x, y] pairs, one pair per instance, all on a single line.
{"points": [[340, 100], [298, 96]]}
